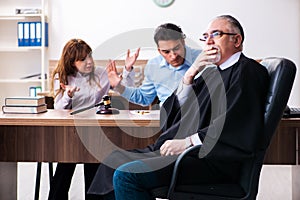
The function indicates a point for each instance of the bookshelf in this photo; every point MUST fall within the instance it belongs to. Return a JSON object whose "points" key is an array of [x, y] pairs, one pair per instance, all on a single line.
{"points": [[18, 62]]}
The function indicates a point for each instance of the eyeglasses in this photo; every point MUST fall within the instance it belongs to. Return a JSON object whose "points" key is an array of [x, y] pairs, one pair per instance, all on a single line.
{"points": [[214, 35]]}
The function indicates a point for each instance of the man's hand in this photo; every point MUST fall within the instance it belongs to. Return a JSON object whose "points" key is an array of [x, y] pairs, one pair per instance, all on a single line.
{"points": [[173, 147], [130, 60], [69, 89], [204, 58], [114, 78]]}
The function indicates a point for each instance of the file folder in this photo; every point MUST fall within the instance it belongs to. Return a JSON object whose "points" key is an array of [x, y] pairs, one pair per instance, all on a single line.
{"points": [[39, 34], [38, 26], [20, 34], [26, 29], [32, 34], [34, 91], [38, 89], [46, 34]]}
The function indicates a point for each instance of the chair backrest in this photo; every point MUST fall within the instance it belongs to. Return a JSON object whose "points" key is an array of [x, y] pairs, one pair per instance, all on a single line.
{"points": [[282, 74]]}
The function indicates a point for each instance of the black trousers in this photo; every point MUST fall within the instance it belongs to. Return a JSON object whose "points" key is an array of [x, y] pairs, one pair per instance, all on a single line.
{"points": [[60, 184]]}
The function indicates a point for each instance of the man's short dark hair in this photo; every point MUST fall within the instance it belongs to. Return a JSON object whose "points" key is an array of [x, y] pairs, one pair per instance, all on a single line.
{"points": [[168, 31]]}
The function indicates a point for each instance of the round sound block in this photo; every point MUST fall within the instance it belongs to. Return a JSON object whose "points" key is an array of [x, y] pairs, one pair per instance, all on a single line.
{"points": [[108, 111]]}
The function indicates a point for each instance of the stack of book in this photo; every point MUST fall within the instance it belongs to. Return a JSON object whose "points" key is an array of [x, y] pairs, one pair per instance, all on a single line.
{"points": [[25, 105]]}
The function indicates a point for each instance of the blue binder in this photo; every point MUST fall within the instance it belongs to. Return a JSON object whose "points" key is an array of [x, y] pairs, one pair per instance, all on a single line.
{"points": [[38, 26], [32, 34], [20, 34], [46, 34], [39, 34], [26, 29]]}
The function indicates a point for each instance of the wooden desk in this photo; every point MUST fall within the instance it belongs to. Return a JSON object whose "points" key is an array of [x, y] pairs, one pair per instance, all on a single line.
{"points": [[57, 136], [285, 144]]}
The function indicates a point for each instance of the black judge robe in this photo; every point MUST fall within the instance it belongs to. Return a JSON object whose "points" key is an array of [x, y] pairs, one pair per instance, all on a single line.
{"points": [[225, 108]]}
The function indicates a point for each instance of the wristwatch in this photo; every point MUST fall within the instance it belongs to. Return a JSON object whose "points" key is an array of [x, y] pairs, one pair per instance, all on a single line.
{"points": [[163, 3]]}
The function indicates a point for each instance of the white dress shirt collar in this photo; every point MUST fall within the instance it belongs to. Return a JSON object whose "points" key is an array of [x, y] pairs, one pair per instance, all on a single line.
{"points": [[231, 60]]}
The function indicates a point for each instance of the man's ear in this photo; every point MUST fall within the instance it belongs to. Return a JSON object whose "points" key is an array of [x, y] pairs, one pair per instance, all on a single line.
{"points": [[158, 50], [237, 40], [183, 42]]}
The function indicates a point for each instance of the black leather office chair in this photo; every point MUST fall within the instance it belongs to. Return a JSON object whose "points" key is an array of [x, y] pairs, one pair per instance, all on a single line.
{"points": [[282, 73]]}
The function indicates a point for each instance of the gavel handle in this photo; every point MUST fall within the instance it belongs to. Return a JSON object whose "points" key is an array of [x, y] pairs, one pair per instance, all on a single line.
{"points": [[86, 108]]}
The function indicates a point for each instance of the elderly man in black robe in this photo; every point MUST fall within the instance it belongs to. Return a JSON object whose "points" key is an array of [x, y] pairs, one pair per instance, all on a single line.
{"points": [[219, 104]]}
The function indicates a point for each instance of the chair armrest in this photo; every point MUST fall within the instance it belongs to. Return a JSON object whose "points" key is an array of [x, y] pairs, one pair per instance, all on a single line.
{"points": [[177, 164]]}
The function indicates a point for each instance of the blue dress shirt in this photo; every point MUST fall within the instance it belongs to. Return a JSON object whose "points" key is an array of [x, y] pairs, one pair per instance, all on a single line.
{"points": [[160, 79]]}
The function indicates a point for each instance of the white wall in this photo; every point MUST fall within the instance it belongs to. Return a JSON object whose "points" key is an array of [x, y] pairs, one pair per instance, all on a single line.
{"points": [[272, 27]]}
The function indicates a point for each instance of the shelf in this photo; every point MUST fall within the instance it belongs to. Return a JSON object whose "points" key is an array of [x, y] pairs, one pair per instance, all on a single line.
{"points": [[20, 49], [20, 16], [20, 61], [20, 80]]}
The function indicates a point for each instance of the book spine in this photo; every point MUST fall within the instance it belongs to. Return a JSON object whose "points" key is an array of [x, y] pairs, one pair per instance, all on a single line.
{"points": [[24, 109], [25, 101]]}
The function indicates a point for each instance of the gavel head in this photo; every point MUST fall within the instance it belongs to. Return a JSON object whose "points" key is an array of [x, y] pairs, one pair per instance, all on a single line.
{"points": [[105, 106], [106, 101]]}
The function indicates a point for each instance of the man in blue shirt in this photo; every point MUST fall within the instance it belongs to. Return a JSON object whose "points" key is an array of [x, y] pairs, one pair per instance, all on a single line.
{"points": [[162, 73], [162, 76]]}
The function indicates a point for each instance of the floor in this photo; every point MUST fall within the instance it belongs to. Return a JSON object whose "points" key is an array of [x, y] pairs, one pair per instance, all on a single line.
{"points": [[277, 182]]}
